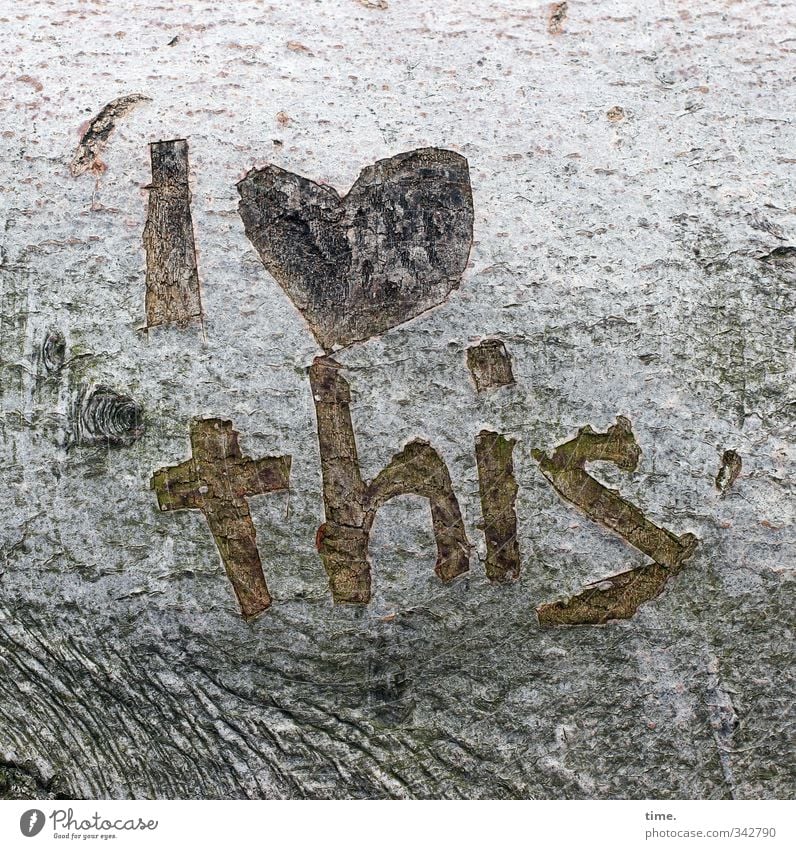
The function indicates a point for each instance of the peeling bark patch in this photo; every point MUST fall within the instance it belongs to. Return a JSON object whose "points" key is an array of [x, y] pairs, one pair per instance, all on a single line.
{"points": [[99, 129], [498, 487], [172, 279], [217, 480], [53, 351], [490, 364], [729, 470], [102, 416], [392, 248], [565, 470], [555, 21], [351, 504]]}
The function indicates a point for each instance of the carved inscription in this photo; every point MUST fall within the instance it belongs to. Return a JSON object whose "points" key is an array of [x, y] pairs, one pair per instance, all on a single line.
{"points": [[217, 480], [392, 248], [493, 454], [172, 279], [620, 596], [351, 504]]}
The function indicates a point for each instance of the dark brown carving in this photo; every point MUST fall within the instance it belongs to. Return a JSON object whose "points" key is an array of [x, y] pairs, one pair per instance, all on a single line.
{"points": [[729, 470], [98, 131], [393, 247], [172, 279], [217, 480], [351, 504], [490, 364], [566, 472], [493, 454]]}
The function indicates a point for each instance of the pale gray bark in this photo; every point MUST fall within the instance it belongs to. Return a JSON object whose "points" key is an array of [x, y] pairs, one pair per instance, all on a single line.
{"points": [[634, 233]]}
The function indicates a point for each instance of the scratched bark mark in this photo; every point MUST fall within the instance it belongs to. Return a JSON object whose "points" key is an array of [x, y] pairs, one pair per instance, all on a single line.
{"points": [[351, 504], [98, 132], [217, 480], [392, 248], [498, 489], [729, 470], [490, 364], [172, 278], [620, 596]]}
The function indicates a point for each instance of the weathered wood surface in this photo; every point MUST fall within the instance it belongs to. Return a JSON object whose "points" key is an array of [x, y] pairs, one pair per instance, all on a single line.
{"points": [[631, 167]]}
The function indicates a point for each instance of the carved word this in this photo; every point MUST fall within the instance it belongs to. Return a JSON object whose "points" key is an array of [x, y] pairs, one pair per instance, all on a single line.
{"points": [[217, 480]]}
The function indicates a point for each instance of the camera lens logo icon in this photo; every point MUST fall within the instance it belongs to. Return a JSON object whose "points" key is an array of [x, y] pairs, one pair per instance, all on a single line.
{"points": [[31, 822]]}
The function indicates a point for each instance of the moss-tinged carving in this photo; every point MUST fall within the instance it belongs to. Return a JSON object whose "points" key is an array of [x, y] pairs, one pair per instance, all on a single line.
{"points": [[217, 480], [101, 416], [351, 504], [498, 488], [565, 470], [172, 278]]}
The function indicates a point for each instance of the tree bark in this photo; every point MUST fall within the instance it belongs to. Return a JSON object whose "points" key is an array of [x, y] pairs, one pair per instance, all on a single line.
{"points": [[633, 236]]}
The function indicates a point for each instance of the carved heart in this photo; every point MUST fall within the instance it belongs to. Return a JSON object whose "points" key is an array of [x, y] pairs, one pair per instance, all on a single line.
{"points": [[393, 247]]}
